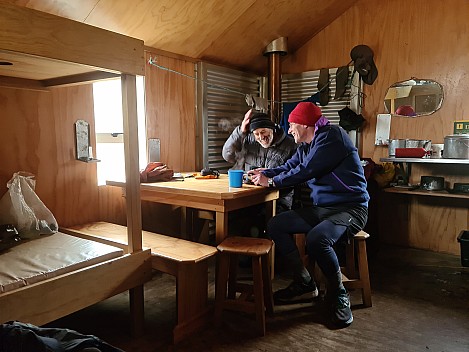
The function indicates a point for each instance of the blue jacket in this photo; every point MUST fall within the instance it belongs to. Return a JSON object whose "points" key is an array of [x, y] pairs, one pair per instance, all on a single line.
{"points": [[331, 167]]}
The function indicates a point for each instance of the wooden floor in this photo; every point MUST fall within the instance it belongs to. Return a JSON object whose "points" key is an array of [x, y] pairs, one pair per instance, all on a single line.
{"points": [[420, 303]]}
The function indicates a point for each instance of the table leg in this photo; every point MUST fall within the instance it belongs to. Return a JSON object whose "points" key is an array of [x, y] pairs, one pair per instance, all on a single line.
{"points": [[270, 211], [221, 226], [186, 222]]}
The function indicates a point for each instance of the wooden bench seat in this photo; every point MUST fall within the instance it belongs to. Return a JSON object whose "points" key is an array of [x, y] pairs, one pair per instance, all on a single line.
{"points": [[185, 260]]}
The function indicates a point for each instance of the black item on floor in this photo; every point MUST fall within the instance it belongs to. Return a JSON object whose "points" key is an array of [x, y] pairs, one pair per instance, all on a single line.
{"points": [[463, 240], [22, 337]]}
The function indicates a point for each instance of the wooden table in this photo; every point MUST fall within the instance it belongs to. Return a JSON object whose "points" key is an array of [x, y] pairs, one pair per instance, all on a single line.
{"points": [[208, 194]]}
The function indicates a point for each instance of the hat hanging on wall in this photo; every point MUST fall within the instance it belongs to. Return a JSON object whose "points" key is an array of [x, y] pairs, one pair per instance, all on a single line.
{"points": [[349, 119], [362, 57]]}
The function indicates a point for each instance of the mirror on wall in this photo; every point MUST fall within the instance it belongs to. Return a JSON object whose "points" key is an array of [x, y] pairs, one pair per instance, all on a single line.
{"points": [[414, 97]]}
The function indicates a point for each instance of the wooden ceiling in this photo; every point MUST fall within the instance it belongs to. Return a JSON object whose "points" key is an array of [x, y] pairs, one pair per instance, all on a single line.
{"points": [[233, 33]]}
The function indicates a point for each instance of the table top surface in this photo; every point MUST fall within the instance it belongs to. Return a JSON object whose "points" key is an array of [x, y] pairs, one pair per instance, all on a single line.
{"points": [[191, 186]]}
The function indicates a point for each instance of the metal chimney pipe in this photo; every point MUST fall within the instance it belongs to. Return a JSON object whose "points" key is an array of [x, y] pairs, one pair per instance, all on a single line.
{"points": [[273, 51]]}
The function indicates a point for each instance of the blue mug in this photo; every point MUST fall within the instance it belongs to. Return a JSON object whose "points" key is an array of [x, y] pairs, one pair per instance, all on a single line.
{"points": [[235, 178]]}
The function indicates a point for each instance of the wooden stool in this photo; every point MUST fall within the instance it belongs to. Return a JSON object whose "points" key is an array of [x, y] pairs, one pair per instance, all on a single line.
{"points": [[261, 289], [354, 275]]}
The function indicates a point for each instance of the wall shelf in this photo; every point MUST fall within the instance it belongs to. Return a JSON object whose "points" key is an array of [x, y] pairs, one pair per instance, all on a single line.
{"points": [[420, 192], [426, 160]]}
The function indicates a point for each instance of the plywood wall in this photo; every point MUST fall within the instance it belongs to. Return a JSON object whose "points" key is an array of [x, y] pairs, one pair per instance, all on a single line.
{"points": [[170, 110], [38, 137], [419, 38]]}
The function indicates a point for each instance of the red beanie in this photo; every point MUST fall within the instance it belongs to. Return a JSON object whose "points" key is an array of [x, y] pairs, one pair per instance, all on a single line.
{"points": [[305, 113]]}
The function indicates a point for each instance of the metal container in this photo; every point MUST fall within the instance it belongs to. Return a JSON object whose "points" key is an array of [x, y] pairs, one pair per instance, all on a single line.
{"points": [[456, 146], [419, 143], [393, 144], [408, 143]]}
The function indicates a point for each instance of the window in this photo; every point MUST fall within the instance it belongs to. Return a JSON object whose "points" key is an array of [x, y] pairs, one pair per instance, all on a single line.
{"points": [[107, 97]]}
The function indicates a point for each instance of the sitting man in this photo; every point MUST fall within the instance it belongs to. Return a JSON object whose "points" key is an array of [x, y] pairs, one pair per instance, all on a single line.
{"points": [[329, 163], [259, 143]]}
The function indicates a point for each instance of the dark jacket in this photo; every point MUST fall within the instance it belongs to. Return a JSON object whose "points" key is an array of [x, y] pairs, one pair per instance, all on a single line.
{"points": [[331, 167], [246, 154], [22, 337]]}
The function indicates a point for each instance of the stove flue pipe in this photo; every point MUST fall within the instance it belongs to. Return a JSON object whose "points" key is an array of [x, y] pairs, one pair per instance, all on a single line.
{"points": [[274, 51]]}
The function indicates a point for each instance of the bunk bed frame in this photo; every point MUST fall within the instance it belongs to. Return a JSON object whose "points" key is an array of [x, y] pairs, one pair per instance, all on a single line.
{"points": [[59, 51]]}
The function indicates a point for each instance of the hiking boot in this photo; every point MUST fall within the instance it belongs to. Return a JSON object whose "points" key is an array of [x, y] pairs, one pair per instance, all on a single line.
{"points": [[296, 291], [341, 312]]}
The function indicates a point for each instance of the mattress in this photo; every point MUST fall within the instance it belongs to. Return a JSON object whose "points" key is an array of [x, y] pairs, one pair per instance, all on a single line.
{"points": [[49, 256]]}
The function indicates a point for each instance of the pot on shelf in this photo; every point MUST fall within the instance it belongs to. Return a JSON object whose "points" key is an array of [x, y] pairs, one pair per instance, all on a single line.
{"points": [[456, 146], [432, 183]]}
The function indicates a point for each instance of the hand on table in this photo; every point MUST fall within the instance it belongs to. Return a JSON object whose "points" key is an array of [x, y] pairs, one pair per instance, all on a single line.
{"points": [[258, 178]]}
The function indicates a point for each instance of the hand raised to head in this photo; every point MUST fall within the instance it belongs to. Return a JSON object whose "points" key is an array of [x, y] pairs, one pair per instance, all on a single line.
{"points": [[246, 121]]}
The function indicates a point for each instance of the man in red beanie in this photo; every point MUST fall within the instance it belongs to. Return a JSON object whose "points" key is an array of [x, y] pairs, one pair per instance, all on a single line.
{"points": [[329, 163]]}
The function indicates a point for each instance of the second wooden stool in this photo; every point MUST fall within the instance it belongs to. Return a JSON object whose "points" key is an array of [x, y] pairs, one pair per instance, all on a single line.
{"points": [[255, 298], [355, 273]]}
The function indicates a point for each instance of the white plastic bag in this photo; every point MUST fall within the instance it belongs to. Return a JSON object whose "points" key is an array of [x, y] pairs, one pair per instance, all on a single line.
{"points": [[21, 207]]}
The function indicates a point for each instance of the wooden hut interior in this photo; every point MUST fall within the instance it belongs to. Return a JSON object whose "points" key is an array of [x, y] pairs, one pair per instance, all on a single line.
{"points": [[182, 71]]}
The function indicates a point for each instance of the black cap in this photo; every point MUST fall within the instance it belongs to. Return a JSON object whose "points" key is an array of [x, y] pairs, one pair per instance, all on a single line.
{"points": [[261, 120]]}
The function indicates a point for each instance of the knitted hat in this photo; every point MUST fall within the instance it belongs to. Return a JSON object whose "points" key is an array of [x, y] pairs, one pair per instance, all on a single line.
{"points": [[305, 113], [405, 110], [260, 120]]}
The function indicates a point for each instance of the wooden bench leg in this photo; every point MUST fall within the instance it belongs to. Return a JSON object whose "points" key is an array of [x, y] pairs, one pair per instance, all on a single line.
{"points": [[192, 296]]}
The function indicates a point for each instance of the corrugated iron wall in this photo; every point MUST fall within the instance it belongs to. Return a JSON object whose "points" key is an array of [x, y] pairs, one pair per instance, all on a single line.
{"points": [[221, 104], [297, 87], [221, 107]]}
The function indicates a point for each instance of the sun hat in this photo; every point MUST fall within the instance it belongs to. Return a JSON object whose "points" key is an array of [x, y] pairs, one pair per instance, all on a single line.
{"points": [[362, 57]]}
